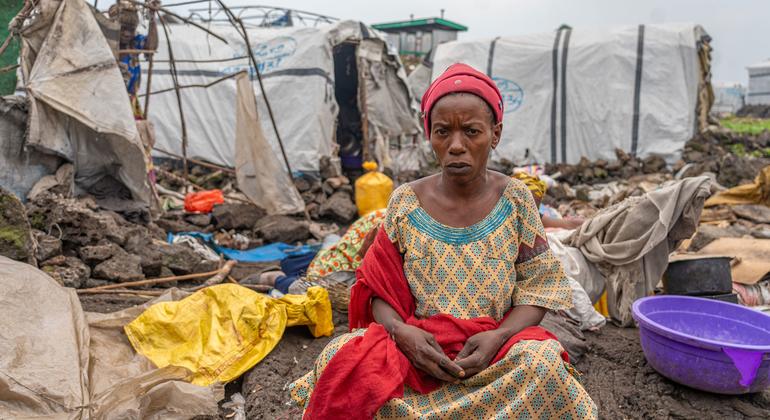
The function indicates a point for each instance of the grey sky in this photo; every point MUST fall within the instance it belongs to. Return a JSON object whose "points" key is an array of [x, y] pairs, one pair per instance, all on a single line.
{"points": [[740, 28]]}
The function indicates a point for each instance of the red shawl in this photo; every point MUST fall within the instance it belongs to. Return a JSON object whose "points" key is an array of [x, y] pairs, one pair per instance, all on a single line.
{"points": [[370, 370]]}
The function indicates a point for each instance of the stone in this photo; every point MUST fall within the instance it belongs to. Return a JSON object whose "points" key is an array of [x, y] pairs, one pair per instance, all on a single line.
{"points": [[94, 283], [76, 221], [204, 266], [278, 228], [47, 246], [16, 240], [178, 258], [67, 271], [761, 232], [95, 254], [308, 197], [733, 170], [303, 184], [236, 215], [330, 167], [757, 213], [176, 225], [622, 155], [151, 260], [200, 220], [678, 165], [653, 164], [707, 234], [340, 207], [138, 238], [122, 267]]}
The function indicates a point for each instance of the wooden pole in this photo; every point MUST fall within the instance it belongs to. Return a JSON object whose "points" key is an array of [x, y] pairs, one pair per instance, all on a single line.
{"points": [[264, 96], [207, 85], [187, 21], [172, 66], [198, 162], [148, 282], [363, 108], [149, 69]]}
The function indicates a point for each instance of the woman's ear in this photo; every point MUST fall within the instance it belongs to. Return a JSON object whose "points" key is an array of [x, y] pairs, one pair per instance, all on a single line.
{"points": [[497, 130]]}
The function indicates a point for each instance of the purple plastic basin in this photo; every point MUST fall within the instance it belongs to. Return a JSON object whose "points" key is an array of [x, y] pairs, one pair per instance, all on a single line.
{"points": [[705, 344]]}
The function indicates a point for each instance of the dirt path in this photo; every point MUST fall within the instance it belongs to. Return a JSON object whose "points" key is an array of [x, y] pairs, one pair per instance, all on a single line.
{"points": [[615, 374]]}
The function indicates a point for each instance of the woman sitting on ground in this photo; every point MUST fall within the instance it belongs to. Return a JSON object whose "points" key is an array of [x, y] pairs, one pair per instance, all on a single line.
{"points": [[446, 308]]}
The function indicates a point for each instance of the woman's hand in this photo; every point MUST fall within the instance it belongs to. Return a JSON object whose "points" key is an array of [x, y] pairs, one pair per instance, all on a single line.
{"points": [[479, 350], [421, 348]]}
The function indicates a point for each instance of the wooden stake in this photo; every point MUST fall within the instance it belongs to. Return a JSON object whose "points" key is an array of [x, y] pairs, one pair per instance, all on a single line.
{"points": [[147, 282], [172, 66]]}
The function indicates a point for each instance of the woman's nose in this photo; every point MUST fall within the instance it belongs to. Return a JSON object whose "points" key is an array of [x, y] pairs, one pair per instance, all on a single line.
{"points": [[456, 144]]}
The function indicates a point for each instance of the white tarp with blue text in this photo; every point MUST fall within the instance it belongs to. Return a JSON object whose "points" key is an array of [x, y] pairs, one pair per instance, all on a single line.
{"points": [[587, 91], [297, 67]]}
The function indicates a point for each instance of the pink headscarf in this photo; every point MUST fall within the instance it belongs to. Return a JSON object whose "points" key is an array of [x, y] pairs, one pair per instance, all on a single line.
{"points": [[462, 78]]}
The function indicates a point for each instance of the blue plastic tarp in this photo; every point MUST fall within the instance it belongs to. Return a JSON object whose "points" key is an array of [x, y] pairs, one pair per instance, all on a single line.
{"points": [[267, 253]]}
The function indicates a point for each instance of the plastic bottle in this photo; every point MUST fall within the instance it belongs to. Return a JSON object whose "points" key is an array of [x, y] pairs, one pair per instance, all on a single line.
{"points": [[372, 190]]}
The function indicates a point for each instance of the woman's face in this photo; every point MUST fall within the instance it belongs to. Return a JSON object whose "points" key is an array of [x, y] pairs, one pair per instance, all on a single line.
{"points": [[462, 134]]}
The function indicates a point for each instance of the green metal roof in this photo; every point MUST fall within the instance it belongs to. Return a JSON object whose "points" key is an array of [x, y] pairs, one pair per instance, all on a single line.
{"points": [[415, 24]]}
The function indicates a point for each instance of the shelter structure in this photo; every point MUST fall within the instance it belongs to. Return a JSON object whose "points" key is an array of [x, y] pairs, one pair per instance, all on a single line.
{"points": [[418, 37], [728, 98], [759, 84], [585, 92], [333, 90]]}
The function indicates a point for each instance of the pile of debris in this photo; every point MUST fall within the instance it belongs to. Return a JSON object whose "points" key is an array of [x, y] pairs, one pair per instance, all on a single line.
{"points": [[82, 245], [733, 158], [754, 111], [623, 167], [329, 198]]}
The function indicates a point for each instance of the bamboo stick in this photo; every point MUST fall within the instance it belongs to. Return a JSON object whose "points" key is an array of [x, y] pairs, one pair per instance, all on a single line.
{"points": [[148, 282]]}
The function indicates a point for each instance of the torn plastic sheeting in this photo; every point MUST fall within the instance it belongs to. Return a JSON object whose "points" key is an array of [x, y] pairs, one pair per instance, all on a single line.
{"points": [[67, 364], [222, 331], [79, 107], [274, 252], [261, 177]]}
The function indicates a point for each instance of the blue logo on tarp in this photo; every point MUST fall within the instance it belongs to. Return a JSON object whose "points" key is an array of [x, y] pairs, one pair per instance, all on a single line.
{"points": [[270, 55], [513, 94]]}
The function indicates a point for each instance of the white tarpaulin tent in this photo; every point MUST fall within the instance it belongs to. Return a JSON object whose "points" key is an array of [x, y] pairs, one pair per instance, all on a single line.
{"points": [[298, 69], [759, 84], [587, 91], [728, 97]]}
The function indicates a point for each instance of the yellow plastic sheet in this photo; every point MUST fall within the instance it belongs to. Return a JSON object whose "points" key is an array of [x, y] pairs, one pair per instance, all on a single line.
{"points": [[222, 331], [756, 193]]}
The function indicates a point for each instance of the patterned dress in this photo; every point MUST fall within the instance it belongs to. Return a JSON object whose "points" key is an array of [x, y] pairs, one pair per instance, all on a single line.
{"points": [[343, 256], [481, 270]]}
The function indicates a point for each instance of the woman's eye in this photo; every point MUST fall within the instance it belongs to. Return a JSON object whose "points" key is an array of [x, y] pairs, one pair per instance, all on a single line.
{"points": [[472, 132], [441, 132]]}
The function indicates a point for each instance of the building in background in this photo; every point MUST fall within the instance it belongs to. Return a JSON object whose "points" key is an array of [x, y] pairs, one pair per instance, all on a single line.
{"points": [[759, 84], [415, 38]]}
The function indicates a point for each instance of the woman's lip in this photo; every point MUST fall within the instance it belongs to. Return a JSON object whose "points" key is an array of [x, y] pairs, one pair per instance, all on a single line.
{"points": [[457, 165]]}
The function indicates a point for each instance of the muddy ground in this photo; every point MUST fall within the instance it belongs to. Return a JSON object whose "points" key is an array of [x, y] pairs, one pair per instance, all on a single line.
{"points": [[614, 370]]}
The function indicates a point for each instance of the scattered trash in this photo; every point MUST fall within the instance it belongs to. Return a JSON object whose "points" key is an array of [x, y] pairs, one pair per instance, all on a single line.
{"points": [[203, 201]]}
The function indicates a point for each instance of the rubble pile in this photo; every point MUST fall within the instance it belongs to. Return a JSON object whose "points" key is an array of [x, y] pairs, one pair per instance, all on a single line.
{"points": [[733, 158], [328, 198], [754, 111], [623, 167]]}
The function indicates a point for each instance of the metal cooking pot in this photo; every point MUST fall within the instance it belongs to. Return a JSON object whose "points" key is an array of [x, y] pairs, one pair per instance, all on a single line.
{"points": [[698, 276]]}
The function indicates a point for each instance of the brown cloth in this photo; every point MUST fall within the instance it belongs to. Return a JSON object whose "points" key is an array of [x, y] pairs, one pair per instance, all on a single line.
{"points": [[755, 193], [630, 242]]}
